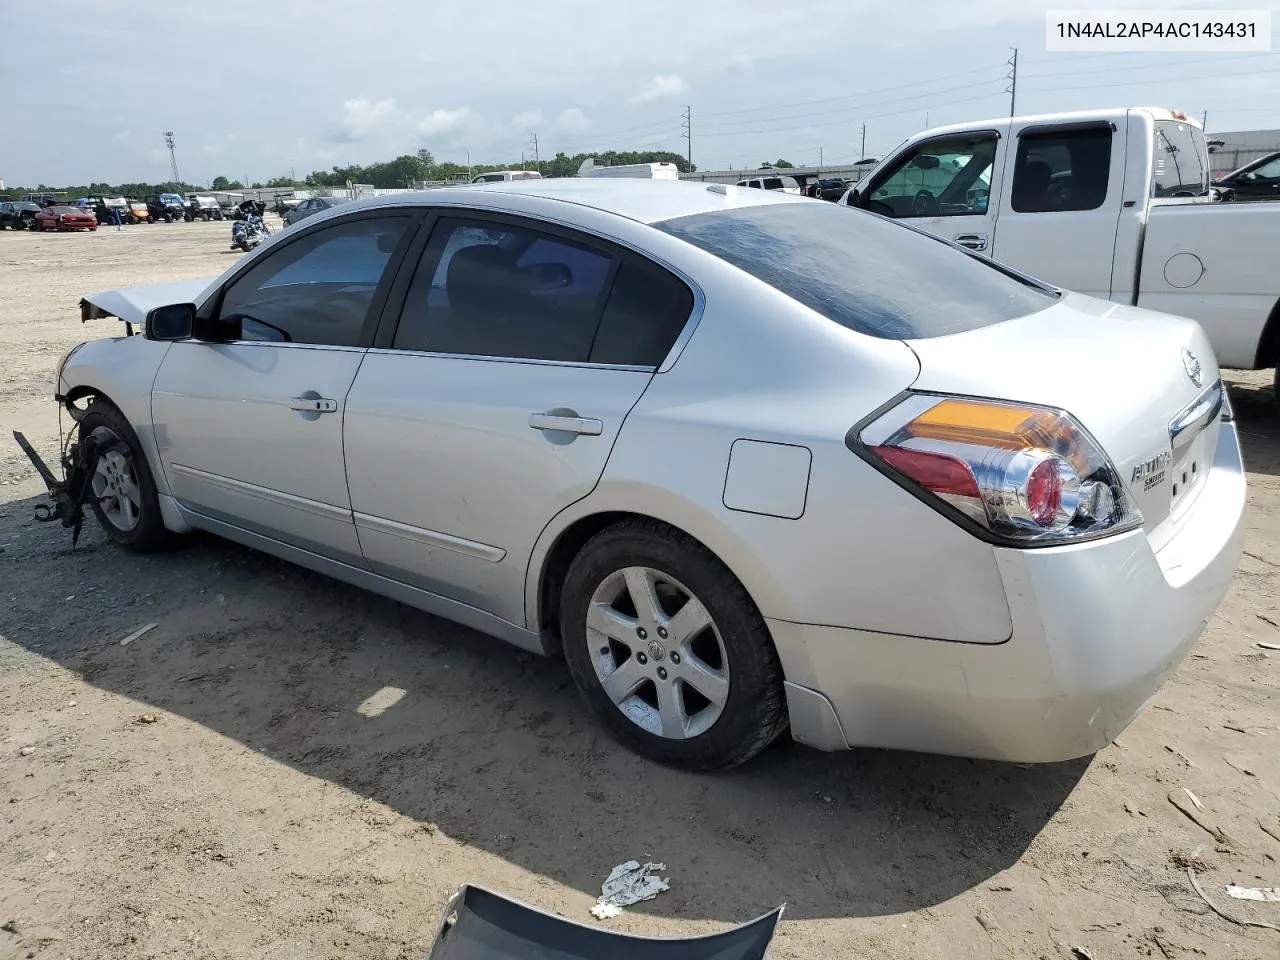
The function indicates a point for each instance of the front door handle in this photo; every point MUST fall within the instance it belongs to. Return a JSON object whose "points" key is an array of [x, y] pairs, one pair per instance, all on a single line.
{"points": [[566, 424], [974, 241], [313, 404]]}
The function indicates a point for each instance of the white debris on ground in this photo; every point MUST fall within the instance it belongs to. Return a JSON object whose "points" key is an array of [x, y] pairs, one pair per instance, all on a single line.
{"points": [[626, 884], [1264, 894]]}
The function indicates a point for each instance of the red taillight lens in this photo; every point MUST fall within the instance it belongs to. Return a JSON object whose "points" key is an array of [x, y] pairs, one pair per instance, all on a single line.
{"points": [[1026, 474], [933, 471], [1044, 491]]}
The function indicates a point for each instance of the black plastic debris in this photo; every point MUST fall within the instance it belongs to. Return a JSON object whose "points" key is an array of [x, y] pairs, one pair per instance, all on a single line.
{"points": [[481, 925]]}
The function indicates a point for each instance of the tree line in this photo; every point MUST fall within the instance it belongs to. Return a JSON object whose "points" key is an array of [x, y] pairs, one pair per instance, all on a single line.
{"points": [[403, 171]]}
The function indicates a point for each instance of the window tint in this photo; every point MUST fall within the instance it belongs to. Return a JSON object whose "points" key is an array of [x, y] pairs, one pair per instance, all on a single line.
{"points": [[1181, 161], [864, 273], [772, 183], [646, 310], [493, 290], [1267, 172], [944, 178], [1067, 170], [317, 289]]}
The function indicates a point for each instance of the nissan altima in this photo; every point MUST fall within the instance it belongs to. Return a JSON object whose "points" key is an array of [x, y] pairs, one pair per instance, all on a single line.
{"points": [[749, 463]]}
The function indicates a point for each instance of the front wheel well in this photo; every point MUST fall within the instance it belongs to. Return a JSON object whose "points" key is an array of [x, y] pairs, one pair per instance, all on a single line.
{"points": [[71, 398]]}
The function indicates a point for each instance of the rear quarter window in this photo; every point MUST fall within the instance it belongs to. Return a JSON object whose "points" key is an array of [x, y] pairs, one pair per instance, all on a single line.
{"points": [[862, 271]]}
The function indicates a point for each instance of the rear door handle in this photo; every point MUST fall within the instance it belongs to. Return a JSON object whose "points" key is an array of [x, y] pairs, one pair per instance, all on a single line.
{"points": [[313, 404], [974, 241], [566, 424]]}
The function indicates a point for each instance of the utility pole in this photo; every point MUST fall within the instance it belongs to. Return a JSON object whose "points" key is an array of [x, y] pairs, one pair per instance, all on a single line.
{"points": [[863, 154], [173, 158], [819, 161], [1012, 88], [1204, 121], [533, 140], [687, 133]]}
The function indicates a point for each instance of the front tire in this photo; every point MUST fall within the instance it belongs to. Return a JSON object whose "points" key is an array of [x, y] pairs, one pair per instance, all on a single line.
{"points": [[124, 497], [669, 649]]}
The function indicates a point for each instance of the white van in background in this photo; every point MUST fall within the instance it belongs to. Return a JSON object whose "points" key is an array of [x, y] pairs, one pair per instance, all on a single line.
{"points": [[785, 184], [643, 171], [501, 176]]}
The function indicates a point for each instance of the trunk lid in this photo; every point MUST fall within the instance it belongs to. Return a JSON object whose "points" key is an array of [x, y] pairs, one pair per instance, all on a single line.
{"points": [[1128, 375]]}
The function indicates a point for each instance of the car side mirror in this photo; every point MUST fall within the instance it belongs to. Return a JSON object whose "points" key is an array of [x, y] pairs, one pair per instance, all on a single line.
{"points": [[174, 322]]}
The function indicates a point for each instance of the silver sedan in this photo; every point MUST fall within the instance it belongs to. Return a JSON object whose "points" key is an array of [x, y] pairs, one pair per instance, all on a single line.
{"points": [[748, 462]]}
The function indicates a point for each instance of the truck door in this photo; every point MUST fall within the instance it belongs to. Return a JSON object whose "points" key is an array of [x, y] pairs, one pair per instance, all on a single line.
{"points": [[945, 185], [1061, 203]]}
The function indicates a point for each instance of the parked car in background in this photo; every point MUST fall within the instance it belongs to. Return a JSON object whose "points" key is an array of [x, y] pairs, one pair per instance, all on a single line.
{"points": [[1112, 203], [1259, 180], [168, 207], [310, 207], [111, 210], [505, 176], [64, 217], [754, 491], [830, 188], [201, 207], [772, 182], [663, 170], [18, 214]]}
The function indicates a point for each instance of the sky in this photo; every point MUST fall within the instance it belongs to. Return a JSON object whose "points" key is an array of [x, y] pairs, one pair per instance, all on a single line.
{"points": [[262, 88]]}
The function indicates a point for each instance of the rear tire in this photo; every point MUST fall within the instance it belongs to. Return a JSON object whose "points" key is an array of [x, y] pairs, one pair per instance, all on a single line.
{"points": [[124, 497], [700, 691]]}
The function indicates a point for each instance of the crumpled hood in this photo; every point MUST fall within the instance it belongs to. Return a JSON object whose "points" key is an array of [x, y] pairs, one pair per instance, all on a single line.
{"points": [[132, 304]]}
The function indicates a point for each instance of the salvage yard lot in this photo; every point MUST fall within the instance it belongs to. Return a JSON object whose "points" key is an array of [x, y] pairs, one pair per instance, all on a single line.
{"points": [[288, 767]]}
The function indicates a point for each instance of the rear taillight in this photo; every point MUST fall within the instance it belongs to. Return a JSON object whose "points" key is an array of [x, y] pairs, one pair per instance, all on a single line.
{"points": [[1016, 473]]}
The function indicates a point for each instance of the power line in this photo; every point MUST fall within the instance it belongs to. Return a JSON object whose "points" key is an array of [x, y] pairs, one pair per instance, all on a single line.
{"points": [[1150, 66], [1161, 80], [845, 115], [850, 96], [892, 113], [585, 138]]}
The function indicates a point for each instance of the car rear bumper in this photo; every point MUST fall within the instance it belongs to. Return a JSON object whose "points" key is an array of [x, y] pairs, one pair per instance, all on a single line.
{"points": [[1097, 628]]}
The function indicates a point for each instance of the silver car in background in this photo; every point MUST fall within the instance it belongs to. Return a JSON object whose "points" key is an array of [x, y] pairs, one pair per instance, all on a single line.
{"points": [[310, 207], [748, 462]]}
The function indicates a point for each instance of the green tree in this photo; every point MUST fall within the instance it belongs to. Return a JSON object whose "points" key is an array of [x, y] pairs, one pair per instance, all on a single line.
{"points": [[220, 183]]}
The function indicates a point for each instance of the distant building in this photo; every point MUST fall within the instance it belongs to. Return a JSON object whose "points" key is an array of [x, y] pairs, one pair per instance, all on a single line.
{"points": [[1240, 147]]}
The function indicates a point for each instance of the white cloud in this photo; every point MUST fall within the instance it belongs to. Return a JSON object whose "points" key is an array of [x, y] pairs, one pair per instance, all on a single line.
{"points": [[572, 120], [529, 118], [661, 86], [441, 121], [361, 119]]}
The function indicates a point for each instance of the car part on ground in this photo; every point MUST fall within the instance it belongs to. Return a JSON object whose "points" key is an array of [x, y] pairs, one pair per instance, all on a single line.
{"points": [[477, 924]]}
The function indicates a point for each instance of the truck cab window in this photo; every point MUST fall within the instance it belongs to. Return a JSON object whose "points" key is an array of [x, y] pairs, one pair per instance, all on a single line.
{"points": [[1062, 171], [943, 178], [1180, 165]]}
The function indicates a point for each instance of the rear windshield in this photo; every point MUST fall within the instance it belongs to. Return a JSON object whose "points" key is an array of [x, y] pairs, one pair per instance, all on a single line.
{"points": [[864, 272]]}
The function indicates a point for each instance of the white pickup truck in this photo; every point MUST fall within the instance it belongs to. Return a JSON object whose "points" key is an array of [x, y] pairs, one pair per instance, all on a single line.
{"points": [[1112, 203]]}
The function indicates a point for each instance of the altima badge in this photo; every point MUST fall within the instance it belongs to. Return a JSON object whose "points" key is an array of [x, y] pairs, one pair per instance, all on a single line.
{"points": [[1192, 366]]}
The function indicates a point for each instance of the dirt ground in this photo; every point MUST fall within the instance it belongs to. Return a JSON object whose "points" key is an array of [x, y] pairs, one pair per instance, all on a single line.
{"points": [[242, 781]]}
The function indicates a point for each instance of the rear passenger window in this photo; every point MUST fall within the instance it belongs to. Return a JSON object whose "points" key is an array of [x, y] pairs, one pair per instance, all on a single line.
{"points": [[1066, 170], [646, 310], [494, 290], [773, 183]]}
